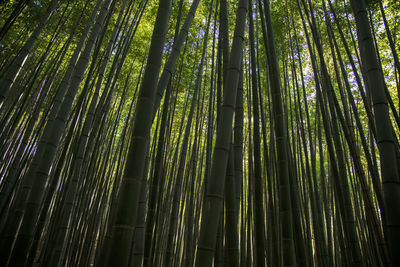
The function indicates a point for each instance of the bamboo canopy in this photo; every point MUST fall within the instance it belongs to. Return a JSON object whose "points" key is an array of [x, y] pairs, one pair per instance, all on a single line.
{"points": [[199, 133]]}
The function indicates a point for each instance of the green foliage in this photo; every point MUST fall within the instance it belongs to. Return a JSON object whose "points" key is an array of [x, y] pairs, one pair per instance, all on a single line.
{"points": [[39, 79]]}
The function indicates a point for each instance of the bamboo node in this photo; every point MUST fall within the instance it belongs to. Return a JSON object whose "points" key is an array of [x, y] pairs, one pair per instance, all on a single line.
{"points": [[215, 196]]}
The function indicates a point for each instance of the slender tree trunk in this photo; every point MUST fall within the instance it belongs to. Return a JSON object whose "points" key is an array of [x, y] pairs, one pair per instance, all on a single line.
{"points": [[384, 130]]}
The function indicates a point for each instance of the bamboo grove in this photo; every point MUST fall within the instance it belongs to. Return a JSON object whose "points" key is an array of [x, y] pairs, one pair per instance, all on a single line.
{"points": [[199, 133]]}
